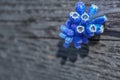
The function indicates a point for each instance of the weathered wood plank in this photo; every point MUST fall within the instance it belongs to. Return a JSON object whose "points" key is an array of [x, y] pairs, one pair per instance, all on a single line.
{"points": [[24, 58]]}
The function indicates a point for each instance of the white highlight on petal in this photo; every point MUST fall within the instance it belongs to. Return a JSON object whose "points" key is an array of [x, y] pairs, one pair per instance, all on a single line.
{"points": [[80, 29], [105, 18], [101, 28], [74, 15], [85, 16], [92, 28], [94, 6]]}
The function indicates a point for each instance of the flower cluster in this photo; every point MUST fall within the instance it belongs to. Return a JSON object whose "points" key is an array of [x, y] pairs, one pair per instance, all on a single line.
{"points": [[80, 27]]}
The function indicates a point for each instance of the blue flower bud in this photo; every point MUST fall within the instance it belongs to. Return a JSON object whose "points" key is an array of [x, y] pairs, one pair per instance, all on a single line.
{"points": [[91, 28], [70, 33], [68, 40], [74, 17], [80, 7], [100, 29], [68, 23], [63, 28], [99, 20], [77, 42], [93, 9], [62, 35], [66, 30]]}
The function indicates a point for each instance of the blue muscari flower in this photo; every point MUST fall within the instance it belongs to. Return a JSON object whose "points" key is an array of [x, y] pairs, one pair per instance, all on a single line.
{"points": [[79, 28]]}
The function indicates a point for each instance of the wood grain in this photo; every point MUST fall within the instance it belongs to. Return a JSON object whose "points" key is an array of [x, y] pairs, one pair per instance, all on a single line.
{"points": [[25, 58]]}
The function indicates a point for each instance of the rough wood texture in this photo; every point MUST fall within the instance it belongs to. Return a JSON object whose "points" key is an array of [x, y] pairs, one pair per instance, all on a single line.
{"points": [[32, 58]]}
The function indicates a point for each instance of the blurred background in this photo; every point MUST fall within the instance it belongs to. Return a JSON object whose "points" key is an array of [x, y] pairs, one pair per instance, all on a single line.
{"points": [[29, 43]]}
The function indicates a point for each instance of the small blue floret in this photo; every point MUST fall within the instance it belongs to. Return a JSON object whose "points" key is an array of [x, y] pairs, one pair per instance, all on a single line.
{"points": [[74, 17], [93, 9], [79, 28], [80, 7]]}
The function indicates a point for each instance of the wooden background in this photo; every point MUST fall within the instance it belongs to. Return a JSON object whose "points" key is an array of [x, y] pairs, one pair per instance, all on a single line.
{"points": [[26, 53]]}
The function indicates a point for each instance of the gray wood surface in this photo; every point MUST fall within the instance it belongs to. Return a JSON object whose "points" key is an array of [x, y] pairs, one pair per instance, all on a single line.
{"points": [[26, 56]]}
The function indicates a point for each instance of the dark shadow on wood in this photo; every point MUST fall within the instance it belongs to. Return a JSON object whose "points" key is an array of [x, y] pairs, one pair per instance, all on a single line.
{"points": [[112, 33], [94, 40], [71, 53], [109, 32]]}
